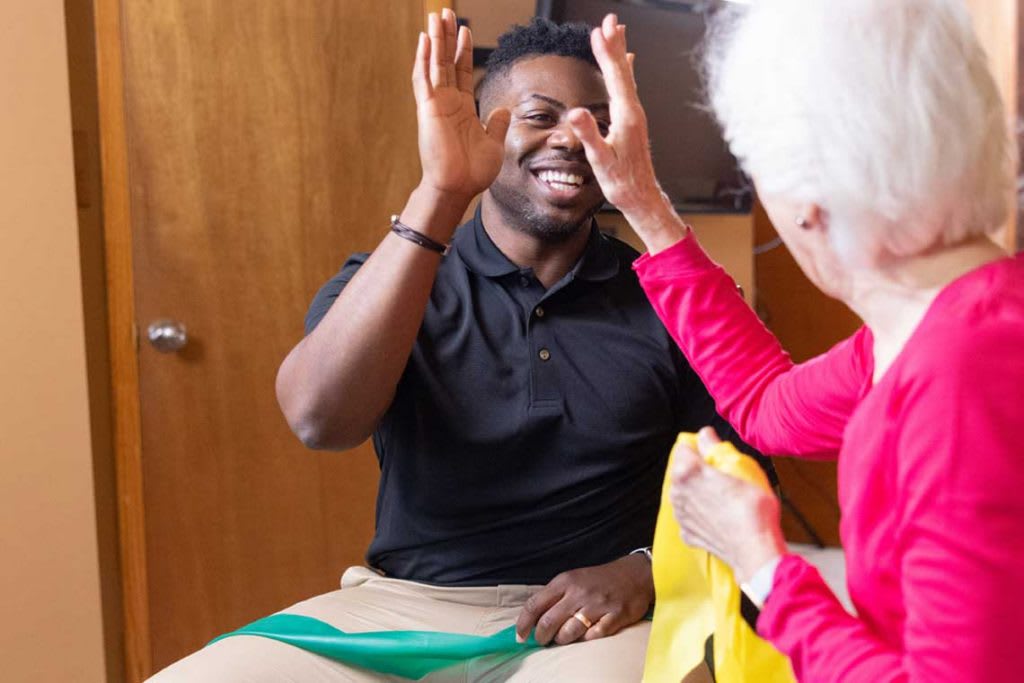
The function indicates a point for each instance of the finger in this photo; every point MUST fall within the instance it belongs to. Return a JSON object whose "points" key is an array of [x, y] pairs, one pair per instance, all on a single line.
{"points": [[572, 630], [609, 25], [686, 464], [618, 75], [631, 58], [421, 69], [435, 30], [707, 438], [599, 153], [451, 29], [553, 619], [464, 60], [609, 625], [611, 57], [535, 607], [498, 122]]}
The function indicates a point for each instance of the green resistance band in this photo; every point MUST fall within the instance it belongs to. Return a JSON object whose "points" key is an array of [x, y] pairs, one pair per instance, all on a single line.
{"points": [[410, 654]]}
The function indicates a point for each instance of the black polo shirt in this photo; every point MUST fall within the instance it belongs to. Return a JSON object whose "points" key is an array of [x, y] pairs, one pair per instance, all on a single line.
{"points": [[530, 429]]}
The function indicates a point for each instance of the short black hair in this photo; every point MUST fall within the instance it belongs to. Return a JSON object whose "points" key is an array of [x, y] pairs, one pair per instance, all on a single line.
{"points": [[540, 37]]}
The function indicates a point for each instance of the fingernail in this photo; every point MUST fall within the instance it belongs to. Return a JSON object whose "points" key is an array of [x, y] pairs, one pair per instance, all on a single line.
{"points": [[520, 639]]}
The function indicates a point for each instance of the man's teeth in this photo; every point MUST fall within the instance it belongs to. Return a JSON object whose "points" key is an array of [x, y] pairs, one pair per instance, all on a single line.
{"points": [[559, 178]]}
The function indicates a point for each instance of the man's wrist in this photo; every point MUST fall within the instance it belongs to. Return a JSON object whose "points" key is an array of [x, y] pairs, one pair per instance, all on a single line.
{"points": [[643, 559], [645, 551], [434, 212]]}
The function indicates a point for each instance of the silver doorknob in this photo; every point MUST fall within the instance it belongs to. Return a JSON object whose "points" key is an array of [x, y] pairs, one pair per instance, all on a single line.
{"points": [[167, 336]]}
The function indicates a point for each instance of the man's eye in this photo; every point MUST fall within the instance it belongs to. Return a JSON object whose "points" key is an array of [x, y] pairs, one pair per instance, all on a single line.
{"points": [[540, 118]]}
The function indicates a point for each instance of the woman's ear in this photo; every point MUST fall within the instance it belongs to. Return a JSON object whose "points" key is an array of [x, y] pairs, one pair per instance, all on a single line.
{"points": [[811, 216]]}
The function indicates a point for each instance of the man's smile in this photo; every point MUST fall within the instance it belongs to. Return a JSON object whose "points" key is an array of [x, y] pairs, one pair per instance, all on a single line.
{"points": [[562, 181]]}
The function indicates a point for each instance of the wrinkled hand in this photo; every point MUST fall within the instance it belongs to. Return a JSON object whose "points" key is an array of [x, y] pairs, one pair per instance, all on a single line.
{"points": [[611, 596], [622, 159], [460, 156], [734, 520]]}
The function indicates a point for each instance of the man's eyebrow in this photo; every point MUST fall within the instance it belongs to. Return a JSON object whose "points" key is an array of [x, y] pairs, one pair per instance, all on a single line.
{"points": [[600, 106]]}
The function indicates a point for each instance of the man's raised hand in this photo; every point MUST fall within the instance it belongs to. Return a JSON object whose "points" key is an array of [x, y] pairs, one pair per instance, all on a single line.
{"points": [[461, 156]]}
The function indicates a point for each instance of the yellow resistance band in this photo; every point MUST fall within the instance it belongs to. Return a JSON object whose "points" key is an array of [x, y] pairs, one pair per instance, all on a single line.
{"points": [[696, 595]]}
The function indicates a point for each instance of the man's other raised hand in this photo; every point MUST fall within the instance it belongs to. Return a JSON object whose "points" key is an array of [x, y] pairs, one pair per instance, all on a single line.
{"points": [[460, 155]]}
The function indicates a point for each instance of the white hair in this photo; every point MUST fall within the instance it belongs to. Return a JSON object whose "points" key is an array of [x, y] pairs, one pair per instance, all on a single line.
{"points": [[882, 112]]}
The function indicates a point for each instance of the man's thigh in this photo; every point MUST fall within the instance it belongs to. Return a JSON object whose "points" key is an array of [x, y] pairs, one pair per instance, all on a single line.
{"points": [[363, 604], [368, 603], [615, 659]]}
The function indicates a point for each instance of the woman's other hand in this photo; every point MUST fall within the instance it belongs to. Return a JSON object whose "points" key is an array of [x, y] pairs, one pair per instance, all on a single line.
{"points": [[734, 520]]}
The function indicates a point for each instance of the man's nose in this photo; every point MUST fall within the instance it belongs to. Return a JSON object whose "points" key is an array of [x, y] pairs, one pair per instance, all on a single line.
{"points": [[563, 137]]}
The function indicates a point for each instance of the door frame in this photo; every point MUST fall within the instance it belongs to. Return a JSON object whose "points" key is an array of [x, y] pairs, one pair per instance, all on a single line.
{"points": [[122, 336]]}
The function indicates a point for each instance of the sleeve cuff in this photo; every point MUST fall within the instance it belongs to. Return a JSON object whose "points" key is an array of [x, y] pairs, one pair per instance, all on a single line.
{"points": [[685, 258], [760, 585]]}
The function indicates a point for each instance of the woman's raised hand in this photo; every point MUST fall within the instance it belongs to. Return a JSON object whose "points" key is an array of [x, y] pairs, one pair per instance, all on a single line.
{"points": [[622, 160], [460, 156]]}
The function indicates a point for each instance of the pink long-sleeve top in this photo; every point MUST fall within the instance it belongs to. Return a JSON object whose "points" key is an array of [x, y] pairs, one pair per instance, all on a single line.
{"points": [[931, 471]]}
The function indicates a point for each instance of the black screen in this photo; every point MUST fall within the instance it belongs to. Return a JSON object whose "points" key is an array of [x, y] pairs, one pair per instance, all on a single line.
{"points": [[692, 161]]}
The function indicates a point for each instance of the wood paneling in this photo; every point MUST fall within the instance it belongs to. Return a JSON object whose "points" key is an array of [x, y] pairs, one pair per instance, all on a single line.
{"points": [[807, 324]]}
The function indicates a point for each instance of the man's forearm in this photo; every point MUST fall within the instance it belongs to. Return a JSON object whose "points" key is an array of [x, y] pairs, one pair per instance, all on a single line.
{"points": [[337, 382]]}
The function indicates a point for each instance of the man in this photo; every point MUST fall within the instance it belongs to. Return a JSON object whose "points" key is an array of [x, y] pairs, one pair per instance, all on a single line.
{"points": [[521, 393]]}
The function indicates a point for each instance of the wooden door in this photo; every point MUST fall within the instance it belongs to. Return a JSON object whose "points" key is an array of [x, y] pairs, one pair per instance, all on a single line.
{"points": [[248, 147]]}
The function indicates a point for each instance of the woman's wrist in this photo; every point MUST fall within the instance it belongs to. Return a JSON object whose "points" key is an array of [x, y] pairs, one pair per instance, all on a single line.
{"points": [[656, 222], [767, 547]]}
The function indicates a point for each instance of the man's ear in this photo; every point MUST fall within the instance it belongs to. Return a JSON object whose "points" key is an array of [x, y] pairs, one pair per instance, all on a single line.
{"points": [[485, 94]]}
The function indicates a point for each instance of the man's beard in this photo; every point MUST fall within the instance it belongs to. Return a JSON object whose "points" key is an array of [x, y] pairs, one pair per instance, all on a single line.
{"points": [[525, 216]]}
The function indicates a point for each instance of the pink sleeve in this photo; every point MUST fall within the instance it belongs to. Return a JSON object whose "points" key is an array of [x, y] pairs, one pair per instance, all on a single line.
{"points": [[958, 483], [776, 406], [824, 643]]}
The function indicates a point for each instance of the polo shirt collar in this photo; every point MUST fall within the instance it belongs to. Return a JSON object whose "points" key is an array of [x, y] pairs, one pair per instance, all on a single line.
{"points": [[482, 256]]}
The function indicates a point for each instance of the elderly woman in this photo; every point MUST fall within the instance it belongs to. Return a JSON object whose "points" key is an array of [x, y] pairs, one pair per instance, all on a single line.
{"points": [[876, 138]]}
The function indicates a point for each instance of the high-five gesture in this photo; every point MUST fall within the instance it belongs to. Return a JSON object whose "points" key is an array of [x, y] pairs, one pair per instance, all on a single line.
{"points": [[622, 159], [460, 156]]}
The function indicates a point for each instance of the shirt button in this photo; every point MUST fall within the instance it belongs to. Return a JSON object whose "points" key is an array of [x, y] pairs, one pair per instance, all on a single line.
{"points": [[539, 312], [544, 354], [524, 281]]}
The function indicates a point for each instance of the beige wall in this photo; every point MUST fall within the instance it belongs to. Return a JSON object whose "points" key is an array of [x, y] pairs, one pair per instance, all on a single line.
{"points": [[49, 578], [995, 22]]}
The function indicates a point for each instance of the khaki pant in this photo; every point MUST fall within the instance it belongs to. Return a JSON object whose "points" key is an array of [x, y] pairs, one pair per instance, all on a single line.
{"points": [[368, 602]]}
